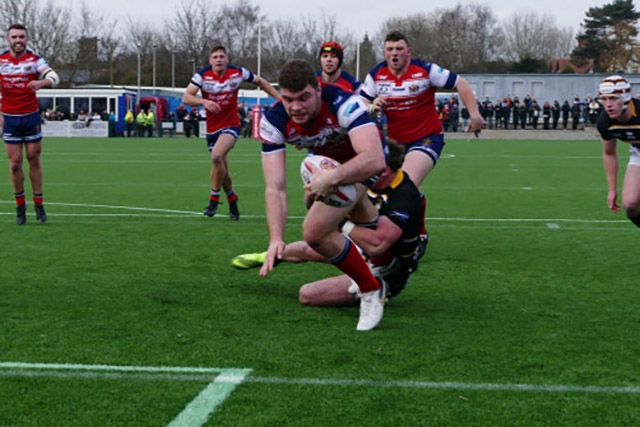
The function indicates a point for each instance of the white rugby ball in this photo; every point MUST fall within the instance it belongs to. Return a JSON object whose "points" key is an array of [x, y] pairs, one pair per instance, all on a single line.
{"points": [[344, 196]]}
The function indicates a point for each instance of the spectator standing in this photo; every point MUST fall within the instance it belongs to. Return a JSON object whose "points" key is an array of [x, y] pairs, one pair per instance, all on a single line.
{"points": [[181, 112], [516, 112], [497, 113], [566, 111], [129, 122], [488, 112], [464, 114], [22, 74], [576, 113], [534, 112], [505, 108], [187, 125], [555, 114], [546, 115], [219, 83], [141, 122], [594, 111], [150, 122]]}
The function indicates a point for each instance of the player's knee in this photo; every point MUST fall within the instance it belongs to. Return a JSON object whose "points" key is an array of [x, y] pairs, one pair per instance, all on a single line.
{"points": [[15, 165], [312, 238], [305, 296], [217, 158]]}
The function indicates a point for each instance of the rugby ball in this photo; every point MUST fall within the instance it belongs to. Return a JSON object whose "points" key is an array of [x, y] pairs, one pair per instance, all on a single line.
{"points": [[344, 195]]}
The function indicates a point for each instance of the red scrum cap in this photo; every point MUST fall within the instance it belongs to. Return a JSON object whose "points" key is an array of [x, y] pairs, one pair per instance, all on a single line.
{"points": [[333, 47]]}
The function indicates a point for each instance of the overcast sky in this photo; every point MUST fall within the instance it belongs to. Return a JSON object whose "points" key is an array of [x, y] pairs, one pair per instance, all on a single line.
{"points": [[358, 16]]}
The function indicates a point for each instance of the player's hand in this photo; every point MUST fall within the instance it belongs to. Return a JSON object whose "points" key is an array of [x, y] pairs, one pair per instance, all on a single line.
{"points": [[275, 251], [211, 106], [612, 201], [321, 184], [475, 125]]}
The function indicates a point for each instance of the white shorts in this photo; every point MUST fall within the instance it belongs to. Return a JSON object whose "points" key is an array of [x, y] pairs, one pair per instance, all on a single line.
{"points": [[634, 159]]}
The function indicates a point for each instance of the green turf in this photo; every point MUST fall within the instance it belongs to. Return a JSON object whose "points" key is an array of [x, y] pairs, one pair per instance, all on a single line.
{"points": [[523, 312]]}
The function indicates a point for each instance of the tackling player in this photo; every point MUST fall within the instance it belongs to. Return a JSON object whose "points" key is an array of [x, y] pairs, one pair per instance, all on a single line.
{"points": [[620, 120], [333, 123], [22, 73], [391, 245], [405, 88], [219, 84]]}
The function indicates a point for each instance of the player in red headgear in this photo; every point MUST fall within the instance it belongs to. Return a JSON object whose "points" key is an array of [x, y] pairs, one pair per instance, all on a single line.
{"points": [[331, 59], [620, 120]]}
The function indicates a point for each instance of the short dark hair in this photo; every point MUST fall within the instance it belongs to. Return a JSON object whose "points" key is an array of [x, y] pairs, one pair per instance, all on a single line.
{"points": [[218, 47], [396, 155], [17, 27], [296, 74], [395, 36]]}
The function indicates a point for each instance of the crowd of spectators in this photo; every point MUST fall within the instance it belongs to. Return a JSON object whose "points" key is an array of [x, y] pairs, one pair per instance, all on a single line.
{"points": [[513, 113]]}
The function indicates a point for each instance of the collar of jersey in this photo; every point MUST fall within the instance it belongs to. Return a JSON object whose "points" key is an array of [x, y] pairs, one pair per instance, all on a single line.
{"points": [[398, 179]]}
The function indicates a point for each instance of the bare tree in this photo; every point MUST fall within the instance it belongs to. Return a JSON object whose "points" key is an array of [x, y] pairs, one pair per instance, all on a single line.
{"points": [[530, 35], [47, 26], [195, 30], [240, 32]]}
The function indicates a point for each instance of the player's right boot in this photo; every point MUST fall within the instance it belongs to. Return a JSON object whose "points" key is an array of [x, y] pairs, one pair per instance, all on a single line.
{"points": [[211, 209], [247, 261], [372, 307], [21, 214]]}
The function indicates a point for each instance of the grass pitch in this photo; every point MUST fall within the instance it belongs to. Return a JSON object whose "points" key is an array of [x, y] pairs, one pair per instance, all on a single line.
{"points": [[123, 308]]}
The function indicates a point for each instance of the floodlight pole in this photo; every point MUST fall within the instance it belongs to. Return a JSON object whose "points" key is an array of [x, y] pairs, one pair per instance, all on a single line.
{"points": [[138, 96], [154, 68]]}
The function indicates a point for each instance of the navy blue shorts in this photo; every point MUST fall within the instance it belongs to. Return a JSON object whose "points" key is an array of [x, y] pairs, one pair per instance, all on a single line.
{"points": [[212, 138], [431, 146], [19, 129]]}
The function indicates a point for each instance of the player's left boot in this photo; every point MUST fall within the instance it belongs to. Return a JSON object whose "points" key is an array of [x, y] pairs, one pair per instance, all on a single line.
{"points": [[41, 215], [247, 261], [234, 213], [422, 245]]}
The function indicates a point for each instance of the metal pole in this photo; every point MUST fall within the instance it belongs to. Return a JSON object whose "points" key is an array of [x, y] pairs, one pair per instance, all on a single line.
{"points": [[173, 71], [138, 96], [154, 68], [259, 52]]}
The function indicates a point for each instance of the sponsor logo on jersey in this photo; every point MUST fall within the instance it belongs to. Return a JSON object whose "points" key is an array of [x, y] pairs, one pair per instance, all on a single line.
{"points": [[350, 109]]}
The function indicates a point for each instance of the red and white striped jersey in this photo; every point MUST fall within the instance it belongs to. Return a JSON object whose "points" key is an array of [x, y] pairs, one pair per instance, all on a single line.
{"points": [[15, 75], [410, 109], [224, 91]]}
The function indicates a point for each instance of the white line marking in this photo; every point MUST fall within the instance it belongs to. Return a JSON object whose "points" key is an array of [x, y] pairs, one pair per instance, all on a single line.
{"points": [[190, 213], [553, 226], [235, 376], [114, 368], [199, 410], [195, 414]]}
